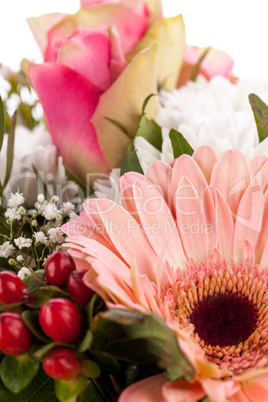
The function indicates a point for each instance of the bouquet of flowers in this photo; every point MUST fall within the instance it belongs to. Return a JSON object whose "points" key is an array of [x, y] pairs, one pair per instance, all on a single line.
{"points": [[133, 248]]}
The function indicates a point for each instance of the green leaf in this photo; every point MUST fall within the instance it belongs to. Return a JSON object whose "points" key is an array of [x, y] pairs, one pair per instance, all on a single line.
{"points": [[118, 125], [38, 298], [146, 102], [91, 369], [10, 148], [2, 123], [91, 394], [40, 353], [86, 342], [108, 363], [74, 178], [10, 307], [142, 339], [67, 390], [179, 144], [34, 282], [151, 131], [260, 111], [41, 389], [31, 320], [18, 371], [131, 163], [198, 64]]}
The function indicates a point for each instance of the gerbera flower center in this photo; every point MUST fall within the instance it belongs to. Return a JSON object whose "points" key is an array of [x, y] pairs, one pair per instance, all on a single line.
{"points": [[226, 308], [224, 320]]}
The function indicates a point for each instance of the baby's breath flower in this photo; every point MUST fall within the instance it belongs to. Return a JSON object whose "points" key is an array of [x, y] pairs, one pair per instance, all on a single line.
{"points": [[22, 242], [33, 213], [40, 237], [50, 212], [12, 214], [23, 272], [15, 200], [6, 249], [55, 235], [34, 222], [68, 207]]}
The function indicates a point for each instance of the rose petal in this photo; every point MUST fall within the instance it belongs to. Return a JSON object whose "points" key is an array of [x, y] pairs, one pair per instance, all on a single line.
{"points": [[69, 100]]}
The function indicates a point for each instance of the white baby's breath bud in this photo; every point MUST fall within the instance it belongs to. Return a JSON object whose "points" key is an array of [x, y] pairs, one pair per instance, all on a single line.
{"points": [[41, 198], [6, 249], [23, 272], [34, 222], [22, 210], [54, 199], [23, 242], [33, 213], [20, 258], [15, 200], [11, 261]]}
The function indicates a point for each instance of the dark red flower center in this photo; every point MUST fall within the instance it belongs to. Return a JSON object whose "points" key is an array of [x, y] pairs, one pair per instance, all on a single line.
{"points": [[224, 320]]}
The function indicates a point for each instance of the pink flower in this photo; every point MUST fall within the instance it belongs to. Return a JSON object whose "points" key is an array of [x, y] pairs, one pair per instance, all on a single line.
{"points": [[216, 62], [102, 62], [189, 244]]}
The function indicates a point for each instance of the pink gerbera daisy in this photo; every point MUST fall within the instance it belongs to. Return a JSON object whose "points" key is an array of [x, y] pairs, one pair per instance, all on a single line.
{"points": [[189, 244]]}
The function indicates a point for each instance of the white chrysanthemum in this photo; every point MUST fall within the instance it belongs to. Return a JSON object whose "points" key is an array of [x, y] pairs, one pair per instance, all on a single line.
{"points": [[35, 148], [22, 242], [215, 113], [6, 249], [55, 235]]}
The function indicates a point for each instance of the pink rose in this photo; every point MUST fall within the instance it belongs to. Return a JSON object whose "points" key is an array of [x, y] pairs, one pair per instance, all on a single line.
{"points": [[216, 62], [103, 62]]}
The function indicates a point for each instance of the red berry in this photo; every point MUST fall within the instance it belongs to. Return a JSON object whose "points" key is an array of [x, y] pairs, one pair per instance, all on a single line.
{"points": [[15, 336], [79, 292], [61, 319], [58, 267], [11, 287], [61, 363]]}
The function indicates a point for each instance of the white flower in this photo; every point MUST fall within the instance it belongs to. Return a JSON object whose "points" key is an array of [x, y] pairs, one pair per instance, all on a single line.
{"points": [[215, 113], [40, 237], [40, 198], [6, 249], [22, 242], [55, 235], [23, 272], [50, 211], [20, 258], [12, 214], [68, 207], [15, 200]]}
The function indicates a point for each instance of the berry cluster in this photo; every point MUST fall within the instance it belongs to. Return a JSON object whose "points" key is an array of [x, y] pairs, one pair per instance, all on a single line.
{"points": [[59, 318]]}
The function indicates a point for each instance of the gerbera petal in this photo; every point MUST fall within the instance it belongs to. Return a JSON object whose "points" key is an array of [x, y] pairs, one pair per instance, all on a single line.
{"points": [[231, 177], [221, 389], [225, 226], [256, 163], [183, 391], [256, 390], [190, 221], [160, 174], [147, 390], [206, 158], [158, 223], [186, 166], [120, 227], [263, 238], [248, 222]]}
